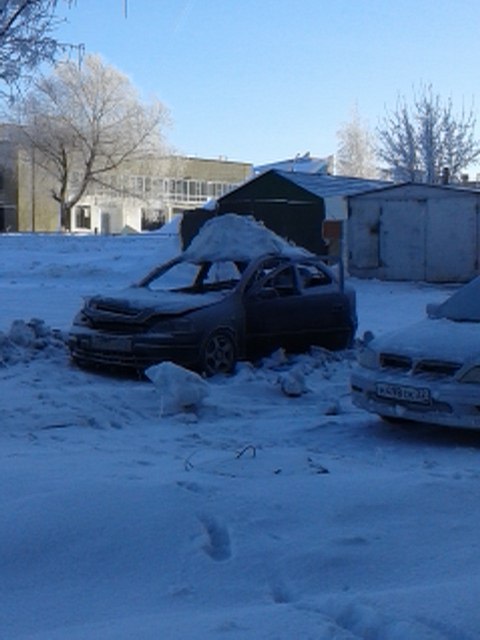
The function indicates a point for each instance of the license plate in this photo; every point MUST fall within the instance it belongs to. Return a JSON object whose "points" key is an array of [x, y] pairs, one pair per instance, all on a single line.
{"points": [[105, 343], [403, 393]]}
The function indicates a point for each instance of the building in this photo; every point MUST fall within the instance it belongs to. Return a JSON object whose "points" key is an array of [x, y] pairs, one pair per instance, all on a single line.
{"points": [[8, 186], [415, 231], [141, 196], [305, 163]]}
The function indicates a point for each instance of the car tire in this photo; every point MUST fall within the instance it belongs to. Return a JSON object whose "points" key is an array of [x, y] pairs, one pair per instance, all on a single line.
{"points": [[218, 354]]}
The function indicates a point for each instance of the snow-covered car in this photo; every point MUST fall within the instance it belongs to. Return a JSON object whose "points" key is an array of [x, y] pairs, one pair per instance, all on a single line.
{"points": [[236, 292], [428, 372]]}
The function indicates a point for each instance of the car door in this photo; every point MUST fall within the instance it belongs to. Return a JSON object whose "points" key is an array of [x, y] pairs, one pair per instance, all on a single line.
{"points": [[272, 309], [325, 308]]}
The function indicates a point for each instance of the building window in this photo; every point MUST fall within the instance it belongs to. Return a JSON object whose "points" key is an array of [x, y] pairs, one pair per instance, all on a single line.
{"points": [[152, 219], [138, 184], [83, 217]]}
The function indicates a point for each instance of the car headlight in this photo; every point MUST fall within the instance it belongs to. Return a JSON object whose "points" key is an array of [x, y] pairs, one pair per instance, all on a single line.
{"points": [[82, 320], [471, 376], [367, 358]]}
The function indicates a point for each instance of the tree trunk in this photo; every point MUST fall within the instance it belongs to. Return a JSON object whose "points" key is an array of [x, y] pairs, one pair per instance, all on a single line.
{"points": [[65, 216]]}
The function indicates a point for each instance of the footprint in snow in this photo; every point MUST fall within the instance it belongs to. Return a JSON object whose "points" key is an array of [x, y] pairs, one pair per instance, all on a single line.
{"points": [[217, 545]]}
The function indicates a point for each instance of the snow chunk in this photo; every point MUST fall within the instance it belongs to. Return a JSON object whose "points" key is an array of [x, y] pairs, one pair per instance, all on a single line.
{"points": [[27, 340], [234, 237], [293, 383], [180, 390], [276, 359], [21, 334]]}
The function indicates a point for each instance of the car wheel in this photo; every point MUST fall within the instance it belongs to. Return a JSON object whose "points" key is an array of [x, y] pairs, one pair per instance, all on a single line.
{"points": [[219, 353]]}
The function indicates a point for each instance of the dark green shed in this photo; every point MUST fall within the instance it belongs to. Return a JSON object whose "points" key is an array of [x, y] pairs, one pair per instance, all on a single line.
{"points": [[290, 203], [284, 206]]}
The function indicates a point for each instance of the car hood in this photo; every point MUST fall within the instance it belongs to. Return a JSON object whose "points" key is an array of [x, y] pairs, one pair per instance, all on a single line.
{"points": [[138, 299], [438, 339]]}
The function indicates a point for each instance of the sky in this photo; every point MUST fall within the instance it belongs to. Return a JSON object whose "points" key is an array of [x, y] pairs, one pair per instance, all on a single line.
{"points": [[261, 81]]}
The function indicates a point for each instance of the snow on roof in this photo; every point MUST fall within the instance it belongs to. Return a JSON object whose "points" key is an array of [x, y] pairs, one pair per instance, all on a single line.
{"points": [[319, 185], [235, 237], [302, 164], [325, 185]]}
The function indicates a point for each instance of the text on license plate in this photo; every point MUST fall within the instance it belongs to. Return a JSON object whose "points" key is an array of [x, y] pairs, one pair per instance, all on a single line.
{"points": [[403, 393], [111, 343]]}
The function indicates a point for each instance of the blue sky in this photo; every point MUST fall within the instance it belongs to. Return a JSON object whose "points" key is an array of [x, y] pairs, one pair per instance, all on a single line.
{"points": [[263, 80]]}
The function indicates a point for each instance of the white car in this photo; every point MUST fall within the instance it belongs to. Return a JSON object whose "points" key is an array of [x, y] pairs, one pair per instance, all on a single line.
{"points": [[428, 372]]}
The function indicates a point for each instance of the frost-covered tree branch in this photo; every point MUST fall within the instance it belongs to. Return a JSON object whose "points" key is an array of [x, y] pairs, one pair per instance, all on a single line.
{"points": [[418, 142], [356, 149], [26, 38], [88, 120]]}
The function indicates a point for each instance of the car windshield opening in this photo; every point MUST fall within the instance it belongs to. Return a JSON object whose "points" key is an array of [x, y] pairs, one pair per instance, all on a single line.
{"points": [[188, 277]]}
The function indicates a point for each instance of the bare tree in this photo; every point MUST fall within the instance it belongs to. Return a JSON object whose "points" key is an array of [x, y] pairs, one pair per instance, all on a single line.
{"points": [[356, 148], [27, 37], [419, 142], [85, 122]]}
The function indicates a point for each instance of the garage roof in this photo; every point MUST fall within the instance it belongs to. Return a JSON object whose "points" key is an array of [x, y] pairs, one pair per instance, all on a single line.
{"points": [[326, 186], [318, 185], [415, 187]]}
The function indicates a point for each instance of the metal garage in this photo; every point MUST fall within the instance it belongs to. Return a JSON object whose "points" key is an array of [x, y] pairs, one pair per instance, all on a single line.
{"points": [[415, 232]]}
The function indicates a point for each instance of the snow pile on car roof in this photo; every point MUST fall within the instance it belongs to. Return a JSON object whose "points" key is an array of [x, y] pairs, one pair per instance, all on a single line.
{"points": [[464, 305], [235, 237]]}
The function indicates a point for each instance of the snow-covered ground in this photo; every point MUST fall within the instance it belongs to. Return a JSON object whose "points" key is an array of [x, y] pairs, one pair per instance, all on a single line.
{"points": [[258, 516]]}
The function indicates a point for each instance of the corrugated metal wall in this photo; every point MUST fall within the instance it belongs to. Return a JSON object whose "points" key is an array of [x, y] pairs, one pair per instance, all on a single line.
{"points": [[432, 237]]}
